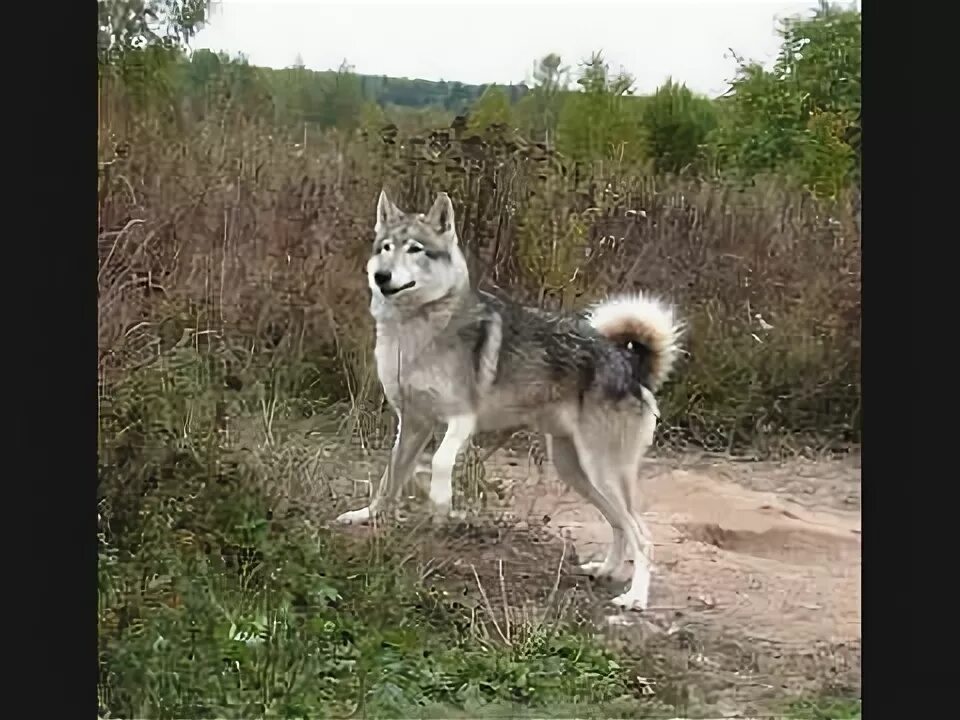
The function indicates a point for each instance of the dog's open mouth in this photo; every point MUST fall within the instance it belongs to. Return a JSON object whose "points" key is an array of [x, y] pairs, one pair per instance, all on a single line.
{"points": [[393, 291]]}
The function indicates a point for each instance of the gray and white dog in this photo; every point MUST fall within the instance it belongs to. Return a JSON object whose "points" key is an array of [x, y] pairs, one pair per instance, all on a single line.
{"points": [[447, 353]]}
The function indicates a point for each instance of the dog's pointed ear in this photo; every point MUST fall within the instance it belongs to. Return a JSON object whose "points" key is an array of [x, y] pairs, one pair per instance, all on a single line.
{"points": [[387, 212], [440, 217]]}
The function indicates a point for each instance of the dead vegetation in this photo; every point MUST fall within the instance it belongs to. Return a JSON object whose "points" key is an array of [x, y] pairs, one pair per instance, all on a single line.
{"points": [[225, 238]]}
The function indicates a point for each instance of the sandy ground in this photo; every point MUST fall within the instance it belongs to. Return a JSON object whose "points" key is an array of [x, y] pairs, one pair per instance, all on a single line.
{"points": [[758, 574], [756, 593], [777, 566]]}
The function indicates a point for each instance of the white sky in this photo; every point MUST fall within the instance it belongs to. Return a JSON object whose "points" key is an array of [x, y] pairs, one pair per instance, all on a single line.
{"points": [[498, 40]]}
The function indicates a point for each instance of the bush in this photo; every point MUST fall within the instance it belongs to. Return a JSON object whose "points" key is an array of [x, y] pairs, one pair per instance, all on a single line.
{"points": [[677, 125], [802, 117]]}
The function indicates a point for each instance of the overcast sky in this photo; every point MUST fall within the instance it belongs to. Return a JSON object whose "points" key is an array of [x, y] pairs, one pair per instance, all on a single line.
{"points": [[498, 40]]}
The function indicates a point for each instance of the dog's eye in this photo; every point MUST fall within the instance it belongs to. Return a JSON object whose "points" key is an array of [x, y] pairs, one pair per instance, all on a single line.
{"points": [[414, 249], [386, 247]]}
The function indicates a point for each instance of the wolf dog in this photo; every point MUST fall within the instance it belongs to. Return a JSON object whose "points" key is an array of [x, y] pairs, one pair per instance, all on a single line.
{"points": [[449, 353]]}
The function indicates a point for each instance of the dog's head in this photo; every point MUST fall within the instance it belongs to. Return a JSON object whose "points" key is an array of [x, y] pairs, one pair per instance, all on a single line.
{"points": [[416, 258]]}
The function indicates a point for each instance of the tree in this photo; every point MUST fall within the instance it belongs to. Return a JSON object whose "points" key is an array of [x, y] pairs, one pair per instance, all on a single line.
{"points": [[200, 79], [341, 101], [299, 100], [372, 117], [139, 42], [677, 124], [245, 89], [133, 25], [801, 117], [458, 97], [600, 122], [491, 108], [540, 109]]}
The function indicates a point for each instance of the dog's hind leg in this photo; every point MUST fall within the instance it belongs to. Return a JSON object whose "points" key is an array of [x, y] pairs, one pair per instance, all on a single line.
{"points": [[459, 430], [606, 468], [636, 439], [638, 594], [412, 436], [568, 468]]}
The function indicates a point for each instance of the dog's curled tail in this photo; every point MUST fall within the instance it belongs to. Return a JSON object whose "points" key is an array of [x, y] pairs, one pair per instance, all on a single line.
{"points": [[641, 319]]}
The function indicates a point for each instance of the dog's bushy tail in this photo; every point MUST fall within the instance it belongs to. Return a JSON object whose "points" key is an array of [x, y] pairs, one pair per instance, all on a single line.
{"points": [[644, 320]]}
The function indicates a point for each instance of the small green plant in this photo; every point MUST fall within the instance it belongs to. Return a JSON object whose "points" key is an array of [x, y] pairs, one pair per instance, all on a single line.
{"points": [[826, 708]]}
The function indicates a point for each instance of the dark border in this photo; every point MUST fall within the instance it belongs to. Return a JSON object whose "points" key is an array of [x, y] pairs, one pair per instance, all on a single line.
{"points": [[50, 264], [889, 604]]}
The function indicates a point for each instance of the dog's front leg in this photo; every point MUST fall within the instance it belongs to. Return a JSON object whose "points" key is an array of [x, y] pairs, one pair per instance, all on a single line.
{"points": [[412, 436], [459, 430]]}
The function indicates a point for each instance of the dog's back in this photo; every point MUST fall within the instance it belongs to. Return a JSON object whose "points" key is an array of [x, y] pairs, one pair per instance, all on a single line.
{"points": [[541, 367]]}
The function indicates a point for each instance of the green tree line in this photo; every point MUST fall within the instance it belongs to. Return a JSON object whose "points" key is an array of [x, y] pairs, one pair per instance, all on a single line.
{"points": [[799, 118]]}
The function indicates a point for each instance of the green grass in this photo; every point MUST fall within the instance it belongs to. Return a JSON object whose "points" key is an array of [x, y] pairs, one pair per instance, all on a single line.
{"points": [[826, 708], [279, 620], [213, 605]]}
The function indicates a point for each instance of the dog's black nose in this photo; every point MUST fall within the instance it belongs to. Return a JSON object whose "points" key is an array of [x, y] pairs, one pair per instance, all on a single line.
{"points": [[381, 277]]}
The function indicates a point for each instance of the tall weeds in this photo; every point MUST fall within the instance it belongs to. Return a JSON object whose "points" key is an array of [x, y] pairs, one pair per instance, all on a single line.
{"points": [[228, 233]]}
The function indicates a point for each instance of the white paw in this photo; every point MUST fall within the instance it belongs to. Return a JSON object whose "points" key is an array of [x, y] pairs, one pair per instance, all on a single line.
{"points": [[443, 514], [355, 517], [631, 601], [440, 509]]}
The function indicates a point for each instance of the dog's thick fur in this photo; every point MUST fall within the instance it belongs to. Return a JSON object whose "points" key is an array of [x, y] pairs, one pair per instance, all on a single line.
{"points": [[447, 353]]}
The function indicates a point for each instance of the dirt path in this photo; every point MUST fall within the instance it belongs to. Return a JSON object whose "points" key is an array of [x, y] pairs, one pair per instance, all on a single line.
{"points": [[749, 556], [757, 589]]}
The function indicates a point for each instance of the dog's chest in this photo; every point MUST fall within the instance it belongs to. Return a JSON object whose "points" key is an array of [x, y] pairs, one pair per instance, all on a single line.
{"points": [[415, 367]]}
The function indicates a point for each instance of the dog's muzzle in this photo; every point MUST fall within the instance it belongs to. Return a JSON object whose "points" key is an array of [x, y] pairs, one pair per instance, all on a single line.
{"points": [[382, 279], [388, 291]]}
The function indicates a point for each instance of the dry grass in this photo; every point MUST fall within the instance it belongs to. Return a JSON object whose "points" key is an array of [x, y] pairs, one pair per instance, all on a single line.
{"points": [[227, 237]]}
